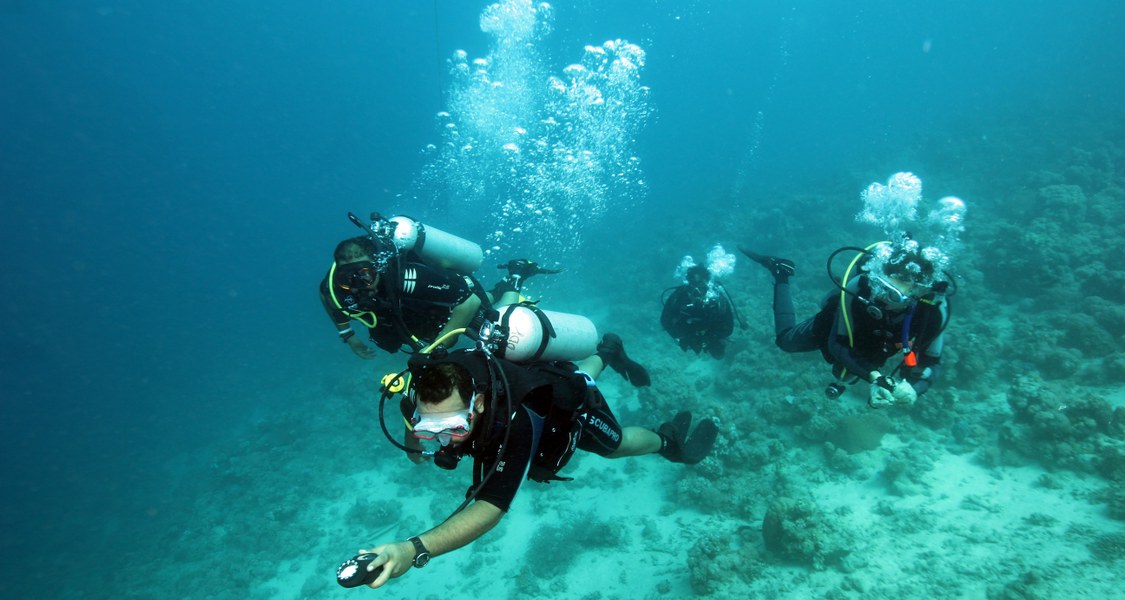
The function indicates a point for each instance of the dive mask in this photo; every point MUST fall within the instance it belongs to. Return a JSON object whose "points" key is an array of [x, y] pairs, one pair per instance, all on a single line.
{"points": [[888, 293], [358, 276], [436, 430]]}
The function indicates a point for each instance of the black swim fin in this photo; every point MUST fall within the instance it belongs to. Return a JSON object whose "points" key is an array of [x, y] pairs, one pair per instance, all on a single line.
{"points": [[778, 267], [683, 448], [674, 434], [699, 444], [612, 351]]}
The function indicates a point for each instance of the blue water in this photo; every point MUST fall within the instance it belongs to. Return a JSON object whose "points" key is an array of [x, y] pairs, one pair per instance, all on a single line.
{"points": [[175, 175]]}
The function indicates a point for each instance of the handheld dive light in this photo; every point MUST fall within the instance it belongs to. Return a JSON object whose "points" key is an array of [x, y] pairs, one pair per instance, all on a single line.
{"points": [[353, 572]]}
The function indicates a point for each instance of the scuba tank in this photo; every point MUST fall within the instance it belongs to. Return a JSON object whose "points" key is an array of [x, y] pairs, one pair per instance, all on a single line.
{"points": [[436, 246], [529, 333]]}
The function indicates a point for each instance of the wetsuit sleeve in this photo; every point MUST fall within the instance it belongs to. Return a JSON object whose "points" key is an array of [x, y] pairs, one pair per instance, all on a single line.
{"points": [[927, 371], [725, 318], [922, 381], [338, 316], [671, 310], [501, 488], [840, 350]]}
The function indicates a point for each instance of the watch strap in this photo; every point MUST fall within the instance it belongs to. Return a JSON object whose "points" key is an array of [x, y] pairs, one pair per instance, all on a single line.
{"points": [[421, 554]]}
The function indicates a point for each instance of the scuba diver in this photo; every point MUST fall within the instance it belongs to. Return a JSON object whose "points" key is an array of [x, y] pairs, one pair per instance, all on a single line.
{"points": [[516, 421], [699, 314], [891, 302], [410, 284]]}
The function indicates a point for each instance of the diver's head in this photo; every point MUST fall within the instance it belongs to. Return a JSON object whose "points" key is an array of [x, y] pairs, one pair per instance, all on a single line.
{"points": [[438, 382], [447, 408], [698, 277], [908, 263], [354, 250], [905, 276]]}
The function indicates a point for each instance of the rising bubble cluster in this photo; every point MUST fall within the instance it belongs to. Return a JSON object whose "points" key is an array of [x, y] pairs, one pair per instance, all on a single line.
{"points": [[719, 262], [891, 206], [894, 208], [538, 155]]}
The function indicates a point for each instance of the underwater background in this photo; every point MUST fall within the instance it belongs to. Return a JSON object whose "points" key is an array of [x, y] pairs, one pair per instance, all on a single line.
{"points": [[179, 420]]}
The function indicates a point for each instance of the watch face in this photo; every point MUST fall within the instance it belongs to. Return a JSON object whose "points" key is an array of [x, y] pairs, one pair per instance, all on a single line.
{"points": [[421, 555]]}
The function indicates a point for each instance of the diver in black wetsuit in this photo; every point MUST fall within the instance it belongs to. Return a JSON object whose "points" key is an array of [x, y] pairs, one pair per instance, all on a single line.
{"points": [[896, 309], [398, 306], [403, 300], [697, 315], [516, 421]]}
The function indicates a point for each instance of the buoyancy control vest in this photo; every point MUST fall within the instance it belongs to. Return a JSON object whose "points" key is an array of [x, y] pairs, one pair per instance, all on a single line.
{"points": [[876, 339]]}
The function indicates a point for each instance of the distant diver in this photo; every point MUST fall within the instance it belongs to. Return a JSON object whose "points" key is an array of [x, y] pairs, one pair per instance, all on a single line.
{"points": [[699, 314], [891, 302]]}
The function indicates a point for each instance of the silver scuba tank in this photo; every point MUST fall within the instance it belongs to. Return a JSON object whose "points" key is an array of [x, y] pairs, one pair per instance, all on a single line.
{"points": [[537, 334], [436, 246]]}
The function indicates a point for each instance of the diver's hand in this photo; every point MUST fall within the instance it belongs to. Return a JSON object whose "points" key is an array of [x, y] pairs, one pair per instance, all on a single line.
{"points": [[882, 392], [880, 397], [361, 349], [396, 559], [904, 393]]}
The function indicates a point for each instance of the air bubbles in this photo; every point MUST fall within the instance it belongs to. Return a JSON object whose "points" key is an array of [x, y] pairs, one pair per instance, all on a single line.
{"points": [[720, 262], [894, 207], [889, 206], [574, 71], [950, 211], [540, 152]]}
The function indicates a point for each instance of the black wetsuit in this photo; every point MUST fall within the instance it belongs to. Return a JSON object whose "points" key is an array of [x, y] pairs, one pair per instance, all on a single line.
{"points": [[872, 341], [416, 302], [556, 409], [697, 323]]}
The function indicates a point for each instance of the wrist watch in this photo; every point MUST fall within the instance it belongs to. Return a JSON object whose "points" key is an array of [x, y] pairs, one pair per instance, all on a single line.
{"points": [[421, 555]]}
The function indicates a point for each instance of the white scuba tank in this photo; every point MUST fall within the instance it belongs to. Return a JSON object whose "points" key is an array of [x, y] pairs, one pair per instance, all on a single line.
{"points": [[436, 246], [575, 337]]}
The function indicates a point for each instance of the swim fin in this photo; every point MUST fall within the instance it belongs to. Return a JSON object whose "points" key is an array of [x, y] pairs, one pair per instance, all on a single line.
{"points": [[781, 268], [699, 444], [674, 434], [612, 351], [683, 448]]}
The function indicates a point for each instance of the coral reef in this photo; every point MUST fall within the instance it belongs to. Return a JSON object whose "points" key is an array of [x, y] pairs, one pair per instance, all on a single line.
{"points": [[553, 548], [721, 558], [1108, 547], [798, 531], [1114, 498], [1062, 430], [860, 433], [1027, 587], [904, 469]]}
